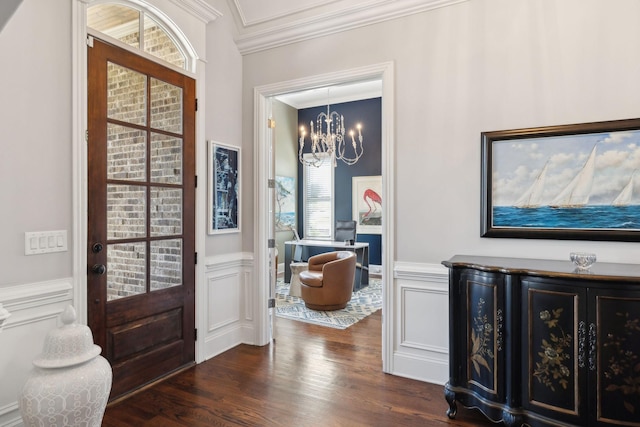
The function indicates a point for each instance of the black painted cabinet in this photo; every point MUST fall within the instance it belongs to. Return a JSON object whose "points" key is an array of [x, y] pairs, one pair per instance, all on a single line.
{"points": [[479, 316], [554, 319], [533, 342]]}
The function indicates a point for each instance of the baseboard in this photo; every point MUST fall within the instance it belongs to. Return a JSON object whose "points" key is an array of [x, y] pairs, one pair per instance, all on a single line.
{"points": [[421, 368], [218, 343]]}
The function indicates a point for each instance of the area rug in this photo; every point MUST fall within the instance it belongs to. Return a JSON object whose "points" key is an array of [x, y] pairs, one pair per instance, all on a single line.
{"points": [[363, 303]]}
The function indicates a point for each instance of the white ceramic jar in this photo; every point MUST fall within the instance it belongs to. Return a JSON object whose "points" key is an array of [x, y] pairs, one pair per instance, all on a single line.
{"points": [[70, 382]]}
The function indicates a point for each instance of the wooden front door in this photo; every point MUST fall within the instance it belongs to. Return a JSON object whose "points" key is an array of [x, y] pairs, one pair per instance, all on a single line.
{"points": [[141, 225]]}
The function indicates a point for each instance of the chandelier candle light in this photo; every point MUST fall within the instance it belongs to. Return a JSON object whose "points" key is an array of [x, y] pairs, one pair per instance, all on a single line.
{"points": [[330, 143]]}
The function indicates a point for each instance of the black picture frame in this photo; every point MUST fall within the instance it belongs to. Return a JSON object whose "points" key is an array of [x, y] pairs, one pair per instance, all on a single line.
{"points": [[553, 155], [224, 188]]}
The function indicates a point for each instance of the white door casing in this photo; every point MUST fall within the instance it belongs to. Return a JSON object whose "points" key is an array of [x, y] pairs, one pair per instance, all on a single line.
{"points": [[262, 161]]}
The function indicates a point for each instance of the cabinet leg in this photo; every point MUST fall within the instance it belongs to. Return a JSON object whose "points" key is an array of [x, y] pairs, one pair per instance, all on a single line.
{"points": [[451, 399], [511, 420]]}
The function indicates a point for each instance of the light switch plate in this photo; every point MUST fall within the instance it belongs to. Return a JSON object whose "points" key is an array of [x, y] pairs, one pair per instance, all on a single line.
{"points": [[44, 242]]}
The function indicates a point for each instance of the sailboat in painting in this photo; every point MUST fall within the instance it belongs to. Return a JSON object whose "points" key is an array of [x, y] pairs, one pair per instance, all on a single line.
{"points": [[624, 198], [532, 198], [576, 194]]}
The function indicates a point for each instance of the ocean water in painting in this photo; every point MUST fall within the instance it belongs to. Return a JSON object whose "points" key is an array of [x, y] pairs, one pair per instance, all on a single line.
{"points": [[587, 217]]}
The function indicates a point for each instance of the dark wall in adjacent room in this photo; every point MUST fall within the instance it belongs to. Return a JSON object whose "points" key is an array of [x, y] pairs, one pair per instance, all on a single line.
{"points": [[368, 113]]}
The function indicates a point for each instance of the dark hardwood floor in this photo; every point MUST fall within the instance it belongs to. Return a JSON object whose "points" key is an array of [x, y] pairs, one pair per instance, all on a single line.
{"points": [[311, 376]]}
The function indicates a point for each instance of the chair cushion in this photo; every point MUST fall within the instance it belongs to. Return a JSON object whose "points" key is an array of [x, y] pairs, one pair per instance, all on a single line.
{"points": [[311, 278]]}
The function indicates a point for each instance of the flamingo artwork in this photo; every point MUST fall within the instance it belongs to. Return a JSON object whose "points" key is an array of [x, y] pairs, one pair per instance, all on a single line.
{"points": [[373, 201], [367, 203]]}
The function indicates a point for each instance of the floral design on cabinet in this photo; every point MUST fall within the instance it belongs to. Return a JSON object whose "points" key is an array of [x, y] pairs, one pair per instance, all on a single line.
{"points": [[551, 369]]}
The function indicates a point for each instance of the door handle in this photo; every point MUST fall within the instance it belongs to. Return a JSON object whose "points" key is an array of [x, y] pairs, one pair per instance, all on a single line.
{"points": [[592, 347], [99, 269]]}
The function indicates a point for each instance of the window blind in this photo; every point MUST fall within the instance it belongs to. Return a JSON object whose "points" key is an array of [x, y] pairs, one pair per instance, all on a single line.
{"points": [[318, 200]]}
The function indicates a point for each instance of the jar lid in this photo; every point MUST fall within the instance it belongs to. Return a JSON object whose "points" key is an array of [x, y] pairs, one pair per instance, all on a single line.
{"points": [[70, 344]]}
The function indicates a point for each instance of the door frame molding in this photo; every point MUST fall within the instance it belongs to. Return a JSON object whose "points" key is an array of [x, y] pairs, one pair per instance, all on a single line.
{"points": [[385, 72], [79, 112]]}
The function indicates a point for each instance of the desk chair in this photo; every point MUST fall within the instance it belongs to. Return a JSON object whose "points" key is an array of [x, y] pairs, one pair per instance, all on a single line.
{"points": [[345, 230]]}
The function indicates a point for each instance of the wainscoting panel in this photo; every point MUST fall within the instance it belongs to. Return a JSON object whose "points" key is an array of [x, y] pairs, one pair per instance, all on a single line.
{"points": [[227, 317], [421, 350], [35, 310], [220, 312]]}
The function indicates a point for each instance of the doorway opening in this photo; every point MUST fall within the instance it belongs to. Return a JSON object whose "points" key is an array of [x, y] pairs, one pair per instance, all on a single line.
{"points": [[382, 73]]}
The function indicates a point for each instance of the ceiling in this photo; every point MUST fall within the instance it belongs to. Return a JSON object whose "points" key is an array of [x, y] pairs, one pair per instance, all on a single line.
{"points": [[263, 24], [333, 94], [267, 24]]}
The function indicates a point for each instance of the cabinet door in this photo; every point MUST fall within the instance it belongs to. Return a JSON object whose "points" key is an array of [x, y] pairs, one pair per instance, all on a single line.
{"points": [[553, 340], [483, 358], [614, 356]]}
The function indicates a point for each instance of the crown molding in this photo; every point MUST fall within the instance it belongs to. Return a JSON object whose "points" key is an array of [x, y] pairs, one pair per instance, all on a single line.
{"points": [[292, 10], [200, 9], [334, 22]]}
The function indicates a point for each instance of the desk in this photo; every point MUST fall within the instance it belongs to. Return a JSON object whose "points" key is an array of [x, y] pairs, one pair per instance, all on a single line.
{"points": [[361, 250]]}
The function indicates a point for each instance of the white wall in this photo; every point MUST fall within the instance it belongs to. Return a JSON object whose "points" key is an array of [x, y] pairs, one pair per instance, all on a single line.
{"points": [[35, 183], [35, 135], [36, 176], [223, 122], [472, 67], [461, 70]]}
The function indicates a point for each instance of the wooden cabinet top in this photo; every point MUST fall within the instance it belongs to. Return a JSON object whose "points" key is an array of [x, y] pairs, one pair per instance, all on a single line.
{"points": [[547, 268]]}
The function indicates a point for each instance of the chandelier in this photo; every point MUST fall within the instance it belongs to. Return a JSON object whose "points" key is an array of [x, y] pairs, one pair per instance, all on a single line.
{"points": [[328, 141]]}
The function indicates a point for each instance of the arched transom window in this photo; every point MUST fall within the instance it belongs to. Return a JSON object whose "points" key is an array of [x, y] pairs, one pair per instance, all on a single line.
{"points": [[138, 29]]}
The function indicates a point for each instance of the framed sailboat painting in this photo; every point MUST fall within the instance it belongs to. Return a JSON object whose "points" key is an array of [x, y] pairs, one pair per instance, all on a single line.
{"points": [[578, 182]]}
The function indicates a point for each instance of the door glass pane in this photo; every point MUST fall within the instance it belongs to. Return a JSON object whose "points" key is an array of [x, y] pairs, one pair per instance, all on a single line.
{"points": [[126, 95], [126, 153], [126, 270], [117, 21], [166, 159], [166, 264], [126, 211], [158, 43], [166, 211], [166, 106]]}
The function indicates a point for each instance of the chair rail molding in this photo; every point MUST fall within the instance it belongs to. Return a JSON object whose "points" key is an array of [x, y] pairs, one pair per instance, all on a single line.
{"points": [[421, 272]]}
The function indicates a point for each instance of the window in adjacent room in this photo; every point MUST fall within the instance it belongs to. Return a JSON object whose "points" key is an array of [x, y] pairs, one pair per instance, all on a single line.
{"points": [[318, 200]]}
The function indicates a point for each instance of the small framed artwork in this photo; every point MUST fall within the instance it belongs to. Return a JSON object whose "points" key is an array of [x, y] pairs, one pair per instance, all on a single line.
{"points": [[573, 182], [367, 204], [224, 188]]}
